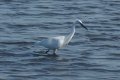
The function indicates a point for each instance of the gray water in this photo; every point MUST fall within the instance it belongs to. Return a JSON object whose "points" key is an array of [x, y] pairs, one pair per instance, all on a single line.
{"points": [[91, 55]]}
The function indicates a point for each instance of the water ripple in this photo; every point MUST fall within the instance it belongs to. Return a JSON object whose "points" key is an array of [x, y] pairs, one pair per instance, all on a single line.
{"points": [[91, 55]]}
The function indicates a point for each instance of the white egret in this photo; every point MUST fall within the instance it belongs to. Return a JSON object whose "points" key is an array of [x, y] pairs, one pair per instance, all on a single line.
{"points": [[55, 43]]}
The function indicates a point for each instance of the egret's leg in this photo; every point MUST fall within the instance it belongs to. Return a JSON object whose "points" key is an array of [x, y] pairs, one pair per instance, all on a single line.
{"points": [[54, 53], [47, 51]]}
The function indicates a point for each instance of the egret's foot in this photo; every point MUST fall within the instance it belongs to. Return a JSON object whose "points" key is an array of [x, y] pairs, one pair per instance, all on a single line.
{"points": [[54, 54], [47, 51]]}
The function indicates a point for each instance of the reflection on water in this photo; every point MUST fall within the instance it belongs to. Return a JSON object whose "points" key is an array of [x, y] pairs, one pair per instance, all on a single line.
{"points": [[91, 55]]}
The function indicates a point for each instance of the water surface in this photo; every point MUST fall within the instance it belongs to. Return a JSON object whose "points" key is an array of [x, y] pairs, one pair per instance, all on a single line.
{"points": [[91, 55]]}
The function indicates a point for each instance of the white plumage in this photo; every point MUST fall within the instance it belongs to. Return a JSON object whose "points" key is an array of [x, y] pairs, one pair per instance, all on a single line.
{"points": [[55, 43]]}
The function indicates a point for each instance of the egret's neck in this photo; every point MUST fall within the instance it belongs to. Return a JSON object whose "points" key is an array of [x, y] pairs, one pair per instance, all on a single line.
{"points": [[73, 30], [71, 34]]}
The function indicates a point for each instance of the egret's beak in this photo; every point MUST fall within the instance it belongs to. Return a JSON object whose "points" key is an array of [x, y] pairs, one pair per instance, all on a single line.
{"points": [[80, 22], [83, 26]]}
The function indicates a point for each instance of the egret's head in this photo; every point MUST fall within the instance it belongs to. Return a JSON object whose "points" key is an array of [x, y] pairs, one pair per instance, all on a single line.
{"points": [[80, 22]]}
